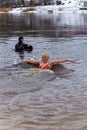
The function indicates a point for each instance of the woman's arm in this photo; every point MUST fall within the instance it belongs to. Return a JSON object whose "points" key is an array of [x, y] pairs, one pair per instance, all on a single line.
{"points": [[54, 62], [36, 62]]}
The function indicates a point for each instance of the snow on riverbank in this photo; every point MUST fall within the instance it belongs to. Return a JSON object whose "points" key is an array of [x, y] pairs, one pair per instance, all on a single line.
{"points": [[43, 9]]}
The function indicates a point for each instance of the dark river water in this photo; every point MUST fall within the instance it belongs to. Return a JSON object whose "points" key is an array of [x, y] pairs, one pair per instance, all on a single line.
{"points": [[47, 100]]}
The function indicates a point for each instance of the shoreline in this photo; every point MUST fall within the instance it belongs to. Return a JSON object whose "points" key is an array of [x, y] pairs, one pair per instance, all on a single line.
{"points": [[40, 9], [50, 9]]}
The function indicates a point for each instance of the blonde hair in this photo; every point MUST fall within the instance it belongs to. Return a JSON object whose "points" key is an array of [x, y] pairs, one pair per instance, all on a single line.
{"points": [[45, 55]]}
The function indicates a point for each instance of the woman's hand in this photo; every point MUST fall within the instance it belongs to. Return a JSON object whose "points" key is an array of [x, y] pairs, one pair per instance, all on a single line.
{"points": [[23, 61], [73, 61]]}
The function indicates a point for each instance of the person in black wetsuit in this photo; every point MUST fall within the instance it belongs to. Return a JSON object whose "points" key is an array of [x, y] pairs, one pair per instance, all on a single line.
{"points": [[21, 46]]}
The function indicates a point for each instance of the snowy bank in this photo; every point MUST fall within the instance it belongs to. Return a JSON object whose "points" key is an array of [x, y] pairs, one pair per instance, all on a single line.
{"points": [[44, 9]]}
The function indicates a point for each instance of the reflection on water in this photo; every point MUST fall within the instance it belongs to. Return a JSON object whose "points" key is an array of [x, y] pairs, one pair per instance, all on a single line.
{"points": [[31, 99], [47, 25]]}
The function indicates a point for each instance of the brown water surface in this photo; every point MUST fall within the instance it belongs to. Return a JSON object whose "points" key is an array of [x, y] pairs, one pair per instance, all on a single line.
{"points": [[48, 100]]}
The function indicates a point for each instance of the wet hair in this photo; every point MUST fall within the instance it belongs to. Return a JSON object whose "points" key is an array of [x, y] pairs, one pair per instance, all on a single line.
{"points": [[20, 38], [45, 55]]}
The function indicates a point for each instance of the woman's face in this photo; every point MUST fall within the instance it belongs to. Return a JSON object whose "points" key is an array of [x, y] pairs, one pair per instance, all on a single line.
{"points": [[44, 58]]}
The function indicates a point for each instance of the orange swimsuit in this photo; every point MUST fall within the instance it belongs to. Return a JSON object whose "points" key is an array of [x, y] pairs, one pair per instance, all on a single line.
{"points": [[42, 67]]}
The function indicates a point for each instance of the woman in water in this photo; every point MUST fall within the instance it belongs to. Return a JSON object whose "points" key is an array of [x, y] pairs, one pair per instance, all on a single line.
{"points": [[45, 63]]}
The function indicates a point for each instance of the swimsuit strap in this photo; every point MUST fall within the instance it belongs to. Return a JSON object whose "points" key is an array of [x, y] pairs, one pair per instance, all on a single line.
{"points": [[46, 66]]}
